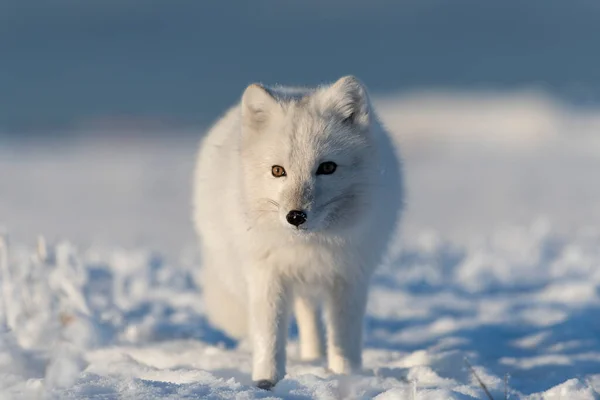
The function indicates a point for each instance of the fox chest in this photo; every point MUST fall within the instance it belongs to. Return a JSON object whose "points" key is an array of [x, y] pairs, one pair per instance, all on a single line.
{"points": [[310, 263]]}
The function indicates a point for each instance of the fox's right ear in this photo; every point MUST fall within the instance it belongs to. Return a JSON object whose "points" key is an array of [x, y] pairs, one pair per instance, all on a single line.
{"points": [[257, 105]]}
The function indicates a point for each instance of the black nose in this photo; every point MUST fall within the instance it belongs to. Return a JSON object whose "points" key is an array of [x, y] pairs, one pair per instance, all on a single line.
{"points": [[296, 217]]}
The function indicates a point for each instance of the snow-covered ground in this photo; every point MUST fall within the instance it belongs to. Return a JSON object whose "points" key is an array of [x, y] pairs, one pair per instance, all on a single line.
{"points": [[499, 265]]}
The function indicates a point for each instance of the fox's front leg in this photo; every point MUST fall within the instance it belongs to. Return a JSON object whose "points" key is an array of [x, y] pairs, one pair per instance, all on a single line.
{"points": [[344, 311], [268, 326], [310, 328]]}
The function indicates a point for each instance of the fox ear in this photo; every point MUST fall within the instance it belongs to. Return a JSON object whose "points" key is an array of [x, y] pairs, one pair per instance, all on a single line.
{"points": [[348, 99], [257, 105]]}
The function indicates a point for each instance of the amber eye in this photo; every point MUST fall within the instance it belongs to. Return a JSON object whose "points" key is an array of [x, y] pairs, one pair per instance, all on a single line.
{"points": [[277, 171], [326, 168]]}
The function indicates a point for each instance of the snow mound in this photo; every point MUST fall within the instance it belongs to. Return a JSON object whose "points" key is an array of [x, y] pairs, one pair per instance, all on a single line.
{"points": [[522, 303]]}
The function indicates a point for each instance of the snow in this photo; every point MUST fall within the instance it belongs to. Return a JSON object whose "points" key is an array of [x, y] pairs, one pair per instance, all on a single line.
{"points": [[498, 266]]}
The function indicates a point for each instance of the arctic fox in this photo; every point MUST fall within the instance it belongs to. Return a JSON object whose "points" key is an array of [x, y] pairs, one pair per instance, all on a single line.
{"points": [[297, 193]]}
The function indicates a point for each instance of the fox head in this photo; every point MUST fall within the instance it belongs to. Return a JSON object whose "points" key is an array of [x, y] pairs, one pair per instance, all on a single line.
{"points": [[308, 156]]}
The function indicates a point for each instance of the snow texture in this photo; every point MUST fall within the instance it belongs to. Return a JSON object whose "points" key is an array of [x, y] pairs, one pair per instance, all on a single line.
{"points": [[499, 264]]}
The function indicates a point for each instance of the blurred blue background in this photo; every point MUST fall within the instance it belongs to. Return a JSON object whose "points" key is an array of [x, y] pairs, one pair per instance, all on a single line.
{"points": [[69, 62], [102, 105]]}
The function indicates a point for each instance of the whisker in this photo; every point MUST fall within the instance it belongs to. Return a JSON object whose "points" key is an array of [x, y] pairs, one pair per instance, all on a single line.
{"points": [[339, 197], [276, 204], [270, 201]]}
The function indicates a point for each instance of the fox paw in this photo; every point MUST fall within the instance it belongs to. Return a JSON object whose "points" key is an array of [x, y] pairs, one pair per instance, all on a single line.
{"points": [[265, 384]]}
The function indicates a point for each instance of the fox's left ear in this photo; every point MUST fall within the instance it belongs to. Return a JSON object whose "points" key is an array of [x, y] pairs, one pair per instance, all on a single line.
{"points": [[348, 99]]}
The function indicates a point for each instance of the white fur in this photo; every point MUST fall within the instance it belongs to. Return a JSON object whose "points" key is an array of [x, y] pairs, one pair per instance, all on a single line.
{"points": [[256, 266]]}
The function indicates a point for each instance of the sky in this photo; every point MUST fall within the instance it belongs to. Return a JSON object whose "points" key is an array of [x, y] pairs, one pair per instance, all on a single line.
{"points": [[67, 63]]}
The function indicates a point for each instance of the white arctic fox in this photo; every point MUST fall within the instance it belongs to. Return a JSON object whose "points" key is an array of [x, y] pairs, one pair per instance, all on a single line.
{"points": [[297, 193]]}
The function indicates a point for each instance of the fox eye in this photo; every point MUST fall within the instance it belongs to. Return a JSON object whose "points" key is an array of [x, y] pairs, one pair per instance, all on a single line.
{"points": [[277, 171], [326, 168]]}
